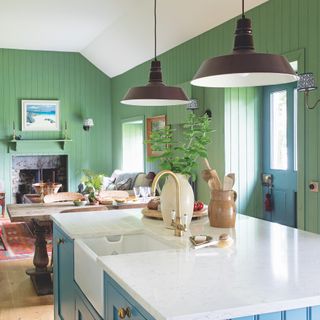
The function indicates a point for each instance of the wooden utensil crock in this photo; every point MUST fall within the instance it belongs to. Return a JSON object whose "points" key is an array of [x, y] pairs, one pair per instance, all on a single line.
{"points": [[222, 209]]}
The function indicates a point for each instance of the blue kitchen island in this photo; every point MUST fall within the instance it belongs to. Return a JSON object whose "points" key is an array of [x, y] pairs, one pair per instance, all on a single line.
{"points": [[270, 272]]}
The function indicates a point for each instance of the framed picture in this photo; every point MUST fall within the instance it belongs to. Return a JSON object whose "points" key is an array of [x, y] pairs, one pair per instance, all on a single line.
{"points": [[153, 124], [40, 115]]}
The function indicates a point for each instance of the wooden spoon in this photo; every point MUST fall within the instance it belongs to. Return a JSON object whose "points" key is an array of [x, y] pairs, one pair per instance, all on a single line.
{"points": [[211, 176], [214, 182]]}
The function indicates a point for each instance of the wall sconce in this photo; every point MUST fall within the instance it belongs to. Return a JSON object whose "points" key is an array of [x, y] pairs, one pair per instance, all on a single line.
{"points": [[307, 83], [87, 124], [192, 105]]}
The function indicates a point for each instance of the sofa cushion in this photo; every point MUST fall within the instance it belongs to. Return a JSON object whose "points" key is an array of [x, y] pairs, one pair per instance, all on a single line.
{"points": [[123, 179], [106, 182], [143, 180], [124, 185]]}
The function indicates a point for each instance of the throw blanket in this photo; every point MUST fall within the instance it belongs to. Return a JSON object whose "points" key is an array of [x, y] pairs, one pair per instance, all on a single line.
{"points": [[125, 181]]}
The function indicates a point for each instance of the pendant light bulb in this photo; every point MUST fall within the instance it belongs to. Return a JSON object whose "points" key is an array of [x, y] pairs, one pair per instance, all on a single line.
{"points": [[155, 93], [244, 67]]}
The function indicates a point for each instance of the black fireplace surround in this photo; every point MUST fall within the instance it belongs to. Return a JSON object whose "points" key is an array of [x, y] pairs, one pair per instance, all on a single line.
{"points": [[27, 170]]}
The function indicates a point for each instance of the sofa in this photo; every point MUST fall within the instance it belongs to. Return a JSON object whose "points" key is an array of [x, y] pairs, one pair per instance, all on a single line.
{"points": [[120, 180]]}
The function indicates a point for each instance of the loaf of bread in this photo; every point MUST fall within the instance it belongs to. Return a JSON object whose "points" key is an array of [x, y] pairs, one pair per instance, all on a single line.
{"points": [[153, 204]]}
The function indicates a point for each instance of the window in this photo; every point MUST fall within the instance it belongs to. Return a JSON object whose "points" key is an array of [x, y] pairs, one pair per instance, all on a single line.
{"points": [[133, 146], [278, 131]]}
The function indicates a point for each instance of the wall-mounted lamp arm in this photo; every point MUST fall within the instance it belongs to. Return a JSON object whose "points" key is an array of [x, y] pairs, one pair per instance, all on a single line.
{"points": [[306, 101]]}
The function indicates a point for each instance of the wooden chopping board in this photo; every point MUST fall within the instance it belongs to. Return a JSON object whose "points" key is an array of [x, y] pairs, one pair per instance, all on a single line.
{"points": [[155, 214]]}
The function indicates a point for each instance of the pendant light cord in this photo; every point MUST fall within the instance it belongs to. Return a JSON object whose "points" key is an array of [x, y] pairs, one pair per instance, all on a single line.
{"points": [[243, 16], [155, 30]]}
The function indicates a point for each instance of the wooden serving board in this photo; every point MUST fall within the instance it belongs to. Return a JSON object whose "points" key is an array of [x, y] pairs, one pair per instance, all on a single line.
{"points": [[155, 214]]}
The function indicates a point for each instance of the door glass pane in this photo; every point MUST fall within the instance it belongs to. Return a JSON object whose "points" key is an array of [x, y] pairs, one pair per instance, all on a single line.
{"points": [[295, 129], [278, 130]]}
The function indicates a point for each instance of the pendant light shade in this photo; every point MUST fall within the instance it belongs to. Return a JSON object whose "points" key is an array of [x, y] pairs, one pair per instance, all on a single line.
{"points": [[244, 67], [155, 93]]}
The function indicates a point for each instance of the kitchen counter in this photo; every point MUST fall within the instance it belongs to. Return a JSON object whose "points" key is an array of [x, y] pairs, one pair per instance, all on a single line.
{"points": [[268, 268]]}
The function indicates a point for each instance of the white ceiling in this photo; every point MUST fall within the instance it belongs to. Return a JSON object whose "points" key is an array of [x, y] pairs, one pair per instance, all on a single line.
{"points": [[115, 35]]}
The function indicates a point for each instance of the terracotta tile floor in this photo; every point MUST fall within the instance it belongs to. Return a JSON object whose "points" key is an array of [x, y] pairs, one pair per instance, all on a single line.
{"points": [[18, 301]]}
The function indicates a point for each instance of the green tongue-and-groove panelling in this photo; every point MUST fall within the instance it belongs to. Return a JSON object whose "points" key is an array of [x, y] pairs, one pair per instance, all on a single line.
{"points": [[83, 91], [279, 26]]}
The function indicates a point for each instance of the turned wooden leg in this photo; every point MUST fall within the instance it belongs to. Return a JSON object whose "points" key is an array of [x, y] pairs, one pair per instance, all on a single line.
{"points": [[40, 258], [40, 275]]}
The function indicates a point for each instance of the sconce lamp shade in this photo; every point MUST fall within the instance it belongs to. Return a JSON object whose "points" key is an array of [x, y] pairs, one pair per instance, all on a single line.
{"points": [[193, 105], [87, 124], [155, 93], [244, 67], [306, 82]]}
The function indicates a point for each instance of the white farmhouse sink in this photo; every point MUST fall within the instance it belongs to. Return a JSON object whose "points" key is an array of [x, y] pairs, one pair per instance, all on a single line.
{"points": [[89, 275]]}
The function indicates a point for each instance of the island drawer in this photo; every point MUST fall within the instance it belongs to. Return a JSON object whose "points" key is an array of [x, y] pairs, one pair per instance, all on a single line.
{"points": [[120, 305]]}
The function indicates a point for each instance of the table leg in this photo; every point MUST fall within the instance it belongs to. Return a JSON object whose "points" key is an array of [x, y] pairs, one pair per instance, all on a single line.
{"points": [[41, 274]]}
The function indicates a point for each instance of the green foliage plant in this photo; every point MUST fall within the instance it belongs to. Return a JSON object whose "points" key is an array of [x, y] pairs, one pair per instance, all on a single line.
{"points": [[92, 181], [181, 155]]}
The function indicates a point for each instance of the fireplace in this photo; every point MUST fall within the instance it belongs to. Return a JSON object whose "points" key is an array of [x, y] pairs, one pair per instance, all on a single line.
{"points": [[27, 170]]}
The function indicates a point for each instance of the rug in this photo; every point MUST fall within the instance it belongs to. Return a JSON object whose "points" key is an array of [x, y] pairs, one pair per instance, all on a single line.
{"points": [[18, 241]]}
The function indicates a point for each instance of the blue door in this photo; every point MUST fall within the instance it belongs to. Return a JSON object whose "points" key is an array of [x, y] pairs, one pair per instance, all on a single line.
{"points": [[280, 153]]}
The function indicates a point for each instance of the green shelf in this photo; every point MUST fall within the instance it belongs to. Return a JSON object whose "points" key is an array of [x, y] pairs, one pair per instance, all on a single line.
{"points": [[13, 144]]}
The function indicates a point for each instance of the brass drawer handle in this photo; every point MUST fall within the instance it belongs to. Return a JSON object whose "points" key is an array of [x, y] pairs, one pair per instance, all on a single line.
{"points": [[60, 241], [124, 312]]}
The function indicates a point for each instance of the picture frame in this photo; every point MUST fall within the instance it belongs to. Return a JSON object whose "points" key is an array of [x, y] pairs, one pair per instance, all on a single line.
{"points": [[40, 115], [153, 124]]}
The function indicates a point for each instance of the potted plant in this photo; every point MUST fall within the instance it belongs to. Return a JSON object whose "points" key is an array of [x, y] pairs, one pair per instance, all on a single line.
{"points": [[93, 183], [179, 152]]}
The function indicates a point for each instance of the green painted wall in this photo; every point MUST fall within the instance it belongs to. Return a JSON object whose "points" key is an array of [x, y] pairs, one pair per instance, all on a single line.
{"points": [[280, 26], [83, 91], [243, 109]]}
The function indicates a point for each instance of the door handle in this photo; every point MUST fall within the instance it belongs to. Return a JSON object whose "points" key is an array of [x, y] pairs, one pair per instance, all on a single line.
{"points": [[124, 312], [60, 241]]}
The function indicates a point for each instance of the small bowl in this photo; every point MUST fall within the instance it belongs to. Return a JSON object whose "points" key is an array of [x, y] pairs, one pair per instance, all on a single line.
{"points": [[80, 203]]}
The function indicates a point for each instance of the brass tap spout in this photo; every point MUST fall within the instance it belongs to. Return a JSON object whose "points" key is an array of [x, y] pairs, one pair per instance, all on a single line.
{"points": [[178, 225]]}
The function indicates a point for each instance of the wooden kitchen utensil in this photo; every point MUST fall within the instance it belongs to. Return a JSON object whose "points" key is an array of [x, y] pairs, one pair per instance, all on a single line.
{"points": [[233, 177], [211, 176], [214, 182], [227, 183]]}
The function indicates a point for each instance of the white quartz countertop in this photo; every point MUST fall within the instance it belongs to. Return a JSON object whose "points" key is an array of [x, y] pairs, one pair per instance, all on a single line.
{"points": [[268, 268]]}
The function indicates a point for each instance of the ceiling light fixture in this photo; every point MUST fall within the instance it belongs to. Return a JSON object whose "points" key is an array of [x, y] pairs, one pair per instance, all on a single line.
{"points": [[155, 93], [307, 83], [244, 67]]}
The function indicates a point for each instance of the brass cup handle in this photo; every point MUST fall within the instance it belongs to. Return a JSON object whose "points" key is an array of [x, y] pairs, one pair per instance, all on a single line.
{"points": [[60, 241], [124, 312]]}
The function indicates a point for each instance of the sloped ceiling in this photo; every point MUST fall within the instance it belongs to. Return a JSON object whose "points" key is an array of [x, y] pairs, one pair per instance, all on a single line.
{"points": [[115, 35]]}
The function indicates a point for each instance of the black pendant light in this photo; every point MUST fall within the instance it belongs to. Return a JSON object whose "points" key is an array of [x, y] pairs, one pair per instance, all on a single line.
{"points": [[244, 67], [155, 93]]}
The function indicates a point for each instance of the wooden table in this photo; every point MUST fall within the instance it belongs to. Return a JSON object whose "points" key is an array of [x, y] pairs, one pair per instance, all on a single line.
{"points": [[39, 214]]}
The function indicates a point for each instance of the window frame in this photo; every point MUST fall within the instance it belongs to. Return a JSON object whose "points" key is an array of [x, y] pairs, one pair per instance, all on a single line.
{"points": [[134, 119]]}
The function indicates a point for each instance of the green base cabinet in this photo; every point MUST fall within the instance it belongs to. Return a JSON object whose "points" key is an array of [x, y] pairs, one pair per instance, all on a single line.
{"points": [[117, 300], [63, 283]]}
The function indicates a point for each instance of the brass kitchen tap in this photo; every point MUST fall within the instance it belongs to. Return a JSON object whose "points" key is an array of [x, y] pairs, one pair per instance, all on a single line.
{"points": [[177, 223]]}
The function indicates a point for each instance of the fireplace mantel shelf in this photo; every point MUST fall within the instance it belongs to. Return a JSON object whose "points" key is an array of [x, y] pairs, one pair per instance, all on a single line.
{"points": [[13, 144]]}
